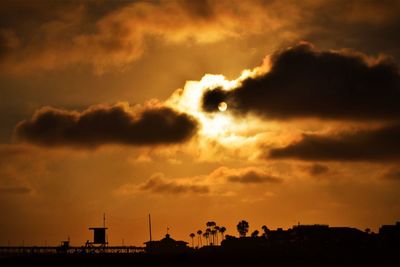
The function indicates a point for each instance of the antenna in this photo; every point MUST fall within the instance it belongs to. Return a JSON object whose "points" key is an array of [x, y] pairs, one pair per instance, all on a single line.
{"points": [[104, 220], [150, 226]]}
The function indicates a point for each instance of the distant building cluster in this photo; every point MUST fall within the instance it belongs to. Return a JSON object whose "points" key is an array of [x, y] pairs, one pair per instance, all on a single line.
{"points": [[300, 240], [166, 245]]}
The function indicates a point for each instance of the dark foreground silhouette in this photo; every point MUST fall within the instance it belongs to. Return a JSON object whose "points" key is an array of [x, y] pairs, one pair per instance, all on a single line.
{"points": [[361, 258], [301, 245]]}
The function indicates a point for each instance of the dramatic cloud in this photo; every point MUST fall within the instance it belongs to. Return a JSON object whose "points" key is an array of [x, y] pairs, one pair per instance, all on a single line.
{"points": [[159, 184], [106, 124], [253, 177], [112, 34], [243, 176], [216, 183], [305, 82], [364, 145]]}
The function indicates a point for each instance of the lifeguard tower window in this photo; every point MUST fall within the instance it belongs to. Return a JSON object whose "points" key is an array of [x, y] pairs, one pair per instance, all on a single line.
{"points": [[99, 235]]}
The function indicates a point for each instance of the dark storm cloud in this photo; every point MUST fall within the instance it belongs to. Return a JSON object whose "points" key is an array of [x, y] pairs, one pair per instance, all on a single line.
{"points": [[15, 190], [106, 125], [305, 82], [159, 184], [212, 98], [365, 145], [253, 177]]}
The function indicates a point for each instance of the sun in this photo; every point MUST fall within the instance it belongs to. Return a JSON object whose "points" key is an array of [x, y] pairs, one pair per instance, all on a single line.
{"points": [[222, 106]]}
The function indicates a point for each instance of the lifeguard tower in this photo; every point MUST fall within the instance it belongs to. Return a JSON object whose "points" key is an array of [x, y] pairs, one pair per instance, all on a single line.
{"points": [[99, 235]]}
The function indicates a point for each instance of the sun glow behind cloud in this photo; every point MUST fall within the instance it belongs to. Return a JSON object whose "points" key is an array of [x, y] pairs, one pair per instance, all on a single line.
{"points": [[189, 98], [221, 126]]}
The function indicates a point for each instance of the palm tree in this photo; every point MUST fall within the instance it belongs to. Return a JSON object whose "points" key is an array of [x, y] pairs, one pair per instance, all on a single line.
{"points": [[210, 224], [222, 230], [243, 228], [206, 234], [199, 233], [216, 229], [210, 227], [208, 231], [213, 234], [192, 235]]}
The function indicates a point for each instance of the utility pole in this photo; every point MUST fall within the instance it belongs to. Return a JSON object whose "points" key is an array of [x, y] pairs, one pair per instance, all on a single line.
{"points": [[150, 227]]}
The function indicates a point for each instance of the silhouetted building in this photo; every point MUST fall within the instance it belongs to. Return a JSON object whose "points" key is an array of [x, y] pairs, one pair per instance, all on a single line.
{"points": [[99, 236], [166, 245], [301, 239], [347, 236], [323, 235], [389, 235], [390, 230]]}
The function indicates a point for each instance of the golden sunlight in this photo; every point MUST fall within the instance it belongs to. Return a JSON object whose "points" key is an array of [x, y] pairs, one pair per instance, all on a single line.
{"points": [[189, 99], [222, 106], [221, 127]]}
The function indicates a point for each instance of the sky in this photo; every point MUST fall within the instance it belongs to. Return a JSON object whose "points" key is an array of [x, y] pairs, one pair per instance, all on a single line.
{"points": [[276, 112]]}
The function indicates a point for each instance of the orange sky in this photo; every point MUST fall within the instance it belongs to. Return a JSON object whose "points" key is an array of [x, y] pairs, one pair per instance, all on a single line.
{"points": [[102, 110]]}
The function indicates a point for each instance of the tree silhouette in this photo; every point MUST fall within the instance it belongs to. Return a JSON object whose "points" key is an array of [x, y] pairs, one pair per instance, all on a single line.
{"points": [[209, 241], [222, 230], [265, 230], [243, 228], [199, 233], [206, 234], [213, 234], [192, 235], [210, 224], [210, 227], [216, 230], [255, 233]]}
